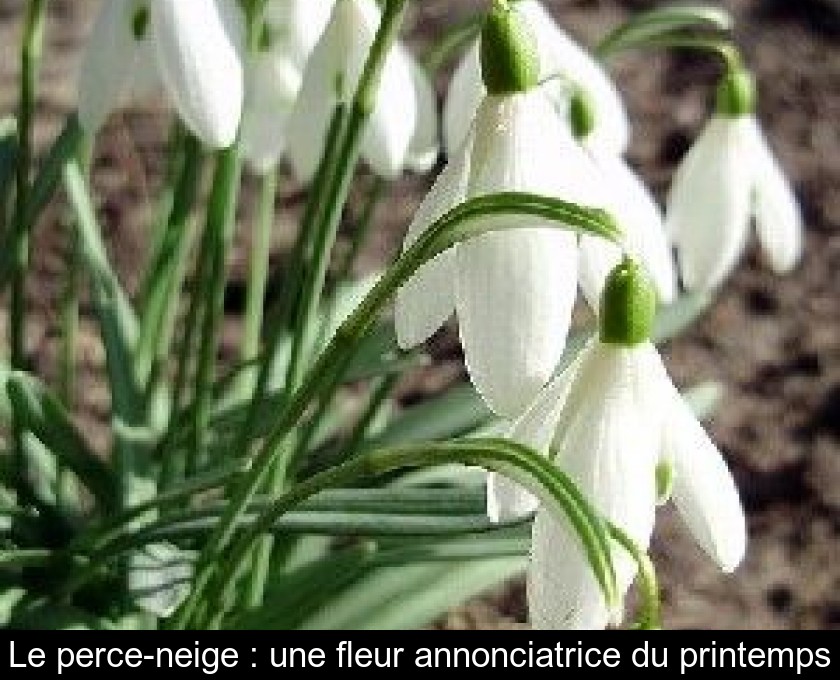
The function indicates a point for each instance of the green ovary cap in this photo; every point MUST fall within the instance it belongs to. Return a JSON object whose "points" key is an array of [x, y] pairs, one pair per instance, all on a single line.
{"points": [[582, 114], [628, 306], [509, 60], [736, 94]]}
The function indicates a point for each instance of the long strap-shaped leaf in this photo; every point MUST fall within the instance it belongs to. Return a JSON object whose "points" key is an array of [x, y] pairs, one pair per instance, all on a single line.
{"points": [[519, 463], [42, 414]]}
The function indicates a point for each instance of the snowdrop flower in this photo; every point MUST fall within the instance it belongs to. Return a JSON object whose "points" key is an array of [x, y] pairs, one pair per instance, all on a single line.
{"points": [[290, 31], [513, 290], [402, 129], [609, 421], [729, 176], [562, 63], [193, 48], [626, 197]]}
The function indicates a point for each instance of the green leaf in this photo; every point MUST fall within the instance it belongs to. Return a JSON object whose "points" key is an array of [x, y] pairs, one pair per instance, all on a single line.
{"points": [[49, 615], [10, 598], [556, 491], [645, 28], [291, 598], [410, 595], [457, 412], [65, 148], [43, 415], [8, 153], [116, 318]]}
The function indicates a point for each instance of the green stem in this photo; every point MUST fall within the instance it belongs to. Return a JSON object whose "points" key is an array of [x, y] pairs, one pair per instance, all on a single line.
{"points": [[175, 159], [167, 267], [361, 108], [257, 281], [69, 334], [30, 58], [221, 221], [258, 277], [377, 402], [650, 616], [336, 187]]}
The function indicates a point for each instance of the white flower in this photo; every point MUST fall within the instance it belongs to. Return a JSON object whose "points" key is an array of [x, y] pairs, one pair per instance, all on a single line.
{"points": [[513, 290], [402, 129], [607, 421], [729, 176], [193, 48], [559, 56], [628, 200], [290, 32]]}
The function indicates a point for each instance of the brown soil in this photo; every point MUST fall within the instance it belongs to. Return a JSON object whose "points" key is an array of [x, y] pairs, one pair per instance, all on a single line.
{"points": [[774, 343]]}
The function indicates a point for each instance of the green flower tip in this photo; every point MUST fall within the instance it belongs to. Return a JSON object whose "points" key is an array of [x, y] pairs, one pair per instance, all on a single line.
{"points": [[582, 113], [509, 61], [736, 93], [628, 306], [140, 22], [664, 481]]}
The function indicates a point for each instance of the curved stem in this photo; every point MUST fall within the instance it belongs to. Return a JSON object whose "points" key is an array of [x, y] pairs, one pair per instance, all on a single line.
{"points": [[650, 617]]}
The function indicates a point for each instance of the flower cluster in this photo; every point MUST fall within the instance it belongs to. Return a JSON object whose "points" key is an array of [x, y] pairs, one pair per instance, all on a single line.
{"points": [[529, 111], [308, 58]]}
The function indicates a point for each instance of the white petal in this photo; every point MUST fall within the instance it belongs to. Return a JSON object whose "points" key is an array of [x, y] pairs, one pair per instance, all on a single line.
{"points": [[108, 64], [332, 63], [514, 293], [709, 203], [393, 121], [514, 289], [704, 491], [332, 75], [559, 54], [562, 592], [298, 25], [463, 97], [425, 146], [605, 442], [643, 233], [427, 299], [507, 500], [199, 47], [778, 219], [273, 83]]}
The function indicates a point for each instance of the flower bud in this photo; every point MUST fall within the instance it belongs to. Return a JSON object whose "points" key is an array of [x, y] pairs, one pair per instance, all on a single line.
{"points": [[509, 60], [628, 306], [736, 94]]}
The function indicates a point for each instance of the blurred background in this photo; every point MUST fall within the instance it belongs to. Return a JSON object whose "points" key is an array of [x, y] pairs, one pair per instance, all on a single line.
{"points": [[774, 343]]}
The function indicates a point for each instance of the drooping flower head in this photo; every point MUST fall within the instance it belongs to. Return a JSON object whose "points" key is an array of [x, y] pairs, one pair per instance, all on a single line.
{"points": [[563, 65], [609, 421], [402, 129], [513, 290], [729, 176], [625, 196], [290, 31], [193, 49]]}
